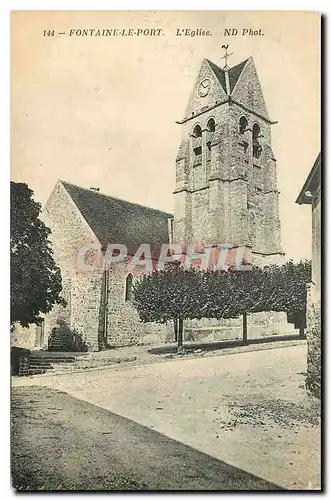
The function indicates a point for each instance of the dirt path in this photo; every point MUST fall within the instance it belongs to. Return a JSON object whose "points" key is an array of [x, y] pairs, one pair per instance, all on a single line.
{"points": [[61, 443], [249, 410]]}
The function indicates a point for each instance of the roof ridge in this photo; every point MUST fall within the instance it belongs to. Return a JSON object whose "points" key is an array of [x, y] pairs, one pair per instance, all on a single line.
{"points": [[115, 198], [232, 67], [219, 74], [228, 78], [242, 66]]}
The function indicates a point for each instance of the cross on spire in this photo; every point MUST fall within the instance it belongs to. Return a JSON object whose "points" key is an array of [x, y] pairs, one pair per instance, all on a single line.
{"points": [[225, 57]]}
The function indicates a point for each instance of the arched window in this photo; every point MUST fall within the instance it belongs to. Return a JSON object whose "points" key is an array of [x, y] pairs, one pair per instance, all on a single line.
{"points": [[197, 144], [128, 287], [197, 131], [210, 132], [243, 123], [257, 148]]}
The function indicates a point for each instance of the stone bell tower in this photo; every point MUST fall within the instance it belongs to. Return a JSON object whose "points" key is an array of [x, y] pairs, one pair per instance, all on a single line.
{"points": [[226, 174]]}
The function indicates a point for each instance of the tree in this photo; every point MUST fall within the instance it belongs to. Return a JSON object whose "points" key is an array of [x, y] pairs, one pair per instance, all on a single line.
{"points": [[289, 291], [169, 295], [232, 293], [35, 279], [178, 293]]}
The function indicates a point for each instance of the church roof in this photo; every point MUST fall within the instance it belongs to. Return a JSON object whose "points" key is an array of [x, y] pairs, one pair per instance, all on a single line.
{"points": [[118, 221], [233, 73]]}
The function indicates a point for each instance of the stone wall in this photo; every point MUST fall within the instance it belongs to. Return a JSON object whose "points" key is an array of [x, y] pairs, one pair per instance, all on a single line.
{"points": [[228, 196], [314, 340], [85, 306], [96, 305], [124, 326], [314, 327], [81, 289], [265, 324], [316, 242], [24, 337]]}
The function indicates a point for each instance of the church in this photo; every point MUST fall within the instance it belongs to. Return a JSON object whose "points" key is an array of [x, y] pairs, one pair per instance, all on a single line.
{"points": [[226, 173], [226, 192]]}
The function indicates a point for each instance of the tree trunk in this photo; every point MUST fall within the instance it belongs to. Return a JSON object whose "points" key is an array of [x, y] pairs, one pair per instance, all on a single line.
{"points": [[180, 335], [301, 320], [176, 328], [245, 328]]}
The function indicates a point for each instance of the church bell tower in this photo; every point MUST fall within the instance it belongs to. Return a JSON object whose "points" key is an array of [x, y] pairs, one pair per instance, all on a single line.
{"points": [[226, 174]]}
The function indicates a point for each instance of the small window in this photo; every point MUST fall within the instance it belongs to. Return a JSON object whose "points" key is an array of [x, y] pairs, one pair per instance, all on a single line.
{"points": [[197, 144], [243, 123], [211, 125], [128, 287], [197, 131], [197, 155], [210, 132]]}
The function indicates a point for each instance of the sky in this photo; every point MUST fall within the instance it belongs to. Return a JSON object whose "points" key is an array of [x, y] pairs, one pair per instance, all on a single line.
{"points": [[101, 111]]}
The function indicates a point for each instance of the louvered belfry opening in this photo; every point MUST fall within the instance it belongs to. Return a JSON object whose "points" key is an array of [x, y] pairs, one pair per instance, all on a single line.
{"points": [[197, 144]]}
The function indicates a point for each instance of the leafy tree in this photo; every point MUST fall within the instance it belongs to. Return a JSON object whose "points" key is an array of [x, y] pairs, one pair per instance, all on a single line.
{"points": [[178, 293], [35, 279], [291, 286], [169, 295], [288, 290], [233, 293]]}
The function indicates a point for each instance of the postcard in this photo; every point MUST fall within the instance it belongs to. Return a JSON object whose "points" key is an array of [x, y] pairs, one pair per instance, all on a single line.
{"points": [[165, 250]]}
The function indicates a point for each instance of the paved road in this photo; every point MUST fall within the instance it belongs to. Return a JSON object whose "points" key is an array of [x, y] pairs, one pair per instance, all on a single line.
{"points": [[61, 443]]}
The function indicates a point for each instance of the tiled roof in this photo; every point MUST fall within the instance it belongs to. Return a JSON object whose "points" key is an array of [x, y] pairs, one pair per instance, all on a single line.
{"points": [[220, 73], [233, 74], [118, 221]]}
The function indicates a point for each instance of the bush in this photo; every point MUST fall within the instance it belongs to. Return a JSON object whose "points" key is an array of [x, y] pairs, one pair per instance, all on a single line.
{"points": [[313, 380], [63, 339]]}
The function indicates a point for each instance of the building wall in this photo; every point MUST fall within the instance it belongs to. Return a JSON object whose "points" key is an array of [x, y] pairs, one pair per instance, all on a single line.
{"points": [[81, 288], [228, 196], [24, 337], [316, 243], [123, 325], [314, 331], [96, 305]]}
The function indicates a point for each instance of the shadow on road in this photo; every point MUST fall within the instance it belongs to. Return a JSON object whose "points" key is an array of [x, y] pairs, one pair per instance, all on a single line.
{"points": [[62, 443], [213, 346]]}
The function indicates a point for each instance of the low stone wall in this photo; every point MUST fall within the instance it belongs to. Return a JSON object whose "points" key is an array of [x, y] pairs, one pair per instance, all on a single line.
{"points": [[217, 334], [259, 325], [16, 354], [24, 336], [24, 365]]}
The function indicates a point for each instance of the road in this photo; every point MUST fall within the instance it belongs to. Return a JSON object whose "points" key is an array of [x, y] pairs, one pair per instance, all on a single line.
{"points": [[62, 443], [248, 410]]}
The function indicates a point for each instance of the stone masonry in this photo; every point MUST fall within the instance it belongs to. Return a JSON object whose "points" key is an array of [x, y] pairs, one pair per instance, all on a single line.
{"points": [[226, 181], [226, 192], [96, 305], [226, 175]]}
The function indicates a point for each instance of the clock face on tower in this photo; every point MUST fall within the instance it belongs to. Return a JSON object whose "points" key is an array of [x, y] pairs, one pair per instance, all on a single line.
{"points": [[204, 87]]}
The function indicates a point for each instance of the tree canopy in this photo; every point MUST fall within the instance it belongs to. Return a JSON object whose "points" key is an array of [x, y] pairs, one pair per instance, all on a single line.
{"points": [[177, 293], [35, 278]]}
